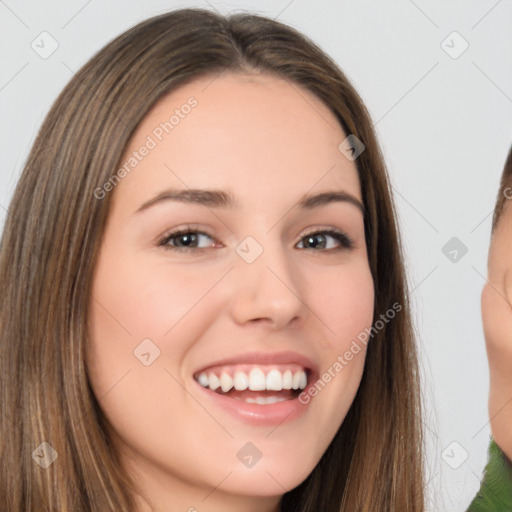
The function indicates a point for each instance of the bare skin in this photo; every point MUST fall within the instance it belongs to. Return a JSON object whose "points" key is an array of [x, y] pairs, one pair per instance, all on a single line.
{"points": [[497, 319], [267, 145]]}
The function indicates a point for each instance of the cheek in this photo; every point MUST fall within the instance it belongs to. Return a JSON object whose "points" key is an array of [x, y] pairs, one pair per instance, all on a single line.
{"points": [[134, 301], [497, 323], [144, 299], [344, 301]]}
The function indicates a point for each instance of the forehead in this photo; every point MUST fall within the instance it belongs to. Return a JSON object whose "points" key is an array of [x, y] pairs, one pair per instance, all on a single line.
{"points": [[255, 133]]}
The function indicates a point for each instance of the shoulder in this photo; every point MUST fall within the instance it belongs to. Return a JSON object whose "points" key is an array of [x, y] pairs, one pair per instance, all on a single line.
{"points": [[495, 492]]}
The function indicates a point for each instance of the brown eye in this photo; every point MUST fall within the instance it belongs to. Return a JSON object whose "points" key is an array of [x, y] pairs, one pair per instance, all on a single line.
{"points": [[319, 239], [183, 240]]}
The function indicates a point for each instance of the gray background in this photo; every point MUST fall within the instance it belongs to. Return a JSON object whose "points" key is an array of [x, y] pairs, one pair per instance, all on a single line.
{"points": [[445, 127]]}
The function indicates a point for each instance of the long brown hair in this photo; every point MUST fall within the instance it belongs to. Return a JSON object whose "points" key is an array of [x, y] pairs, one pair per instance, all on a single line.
{"points": [[49, 249]]}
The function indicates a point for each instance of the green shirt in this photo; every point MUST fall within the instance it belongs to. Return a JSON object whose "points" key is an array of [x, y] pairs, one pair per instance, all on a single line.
{"points": [[495, 494]]}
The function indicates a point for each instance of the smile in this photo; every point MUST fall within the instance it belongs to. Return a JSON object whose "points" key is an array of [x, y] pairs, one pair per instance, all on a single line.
{"points": [[255, 378], [257, 393]]}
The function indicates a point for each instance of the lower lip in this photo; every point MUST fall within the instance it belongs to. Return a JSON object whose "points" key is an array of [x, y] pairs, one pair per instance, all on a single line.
{"points": [[257, 414]]}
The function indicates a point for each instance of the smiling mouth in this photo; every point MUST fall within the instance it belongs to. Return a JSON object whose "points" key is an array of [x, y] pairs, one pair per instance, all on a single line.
{"points": [[256, 384]]}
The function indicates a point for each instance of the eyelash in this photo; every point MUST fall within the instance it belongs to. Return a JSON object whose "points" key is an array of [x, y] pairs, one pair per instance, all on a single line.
{"points": [[346, 243]]}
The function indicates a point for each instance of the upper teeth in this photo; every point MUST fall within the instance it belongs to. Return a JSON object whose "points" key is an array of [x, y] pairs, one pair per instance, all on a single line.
{"points": [[256, 380]]}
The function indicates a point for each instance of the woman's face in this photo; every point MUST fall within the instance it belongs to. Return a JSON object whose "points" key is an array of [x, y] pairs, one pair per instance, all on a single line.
{"points": [[258, 285]]}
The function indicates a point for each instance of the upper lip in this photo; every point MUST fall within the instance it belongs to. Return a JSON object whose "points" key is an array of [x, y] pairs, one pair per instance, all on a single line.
{"points": [[285, 357]]}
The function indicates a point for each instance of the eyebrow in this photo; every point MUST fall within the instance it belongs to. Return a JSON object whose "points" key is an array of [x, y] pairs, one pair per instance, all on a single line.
{"points": [[222, 199]]}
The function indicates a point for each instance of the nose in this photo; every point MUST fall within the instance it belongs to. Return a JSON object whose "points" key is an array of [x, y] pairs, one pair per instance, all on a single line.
{"points": [[268, 289]]}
